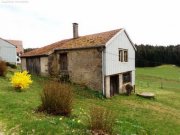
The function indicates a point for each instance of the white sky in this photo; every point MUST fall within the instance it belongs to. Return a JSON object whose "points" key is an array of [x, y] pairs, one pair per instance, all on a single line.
{"points": [[41, 22]]}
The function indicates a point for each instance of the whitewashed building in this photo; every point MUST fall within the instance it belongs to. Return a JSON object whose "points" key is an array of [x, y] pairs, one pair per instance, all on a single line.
{"points": [[118, 63], [19, 49], [103, 61], [7, 51]]}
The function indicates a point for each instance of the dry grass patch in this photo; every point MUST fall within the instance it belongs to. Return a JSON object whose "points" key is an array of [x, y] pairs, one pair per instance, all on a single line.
{"points": [[101, 121], [3, 68], [56, 99]]}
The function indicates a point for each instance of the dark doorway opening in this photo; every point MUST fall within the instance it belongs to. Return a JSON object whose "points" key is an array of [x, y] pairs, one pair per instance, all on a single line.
{"points": [[63, 62], [114, 85]]}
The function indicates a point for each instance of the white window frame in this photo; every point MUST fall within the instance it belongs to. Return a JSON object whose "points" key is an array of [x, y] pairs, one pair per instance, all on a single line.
{"points": [[122, 55]]}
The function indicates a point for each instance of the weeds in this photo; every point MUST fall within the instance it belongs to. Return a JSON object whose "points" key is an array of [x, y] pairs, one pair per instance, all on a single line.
{"points": [[3, 68], [56, 99], [101, 121]]}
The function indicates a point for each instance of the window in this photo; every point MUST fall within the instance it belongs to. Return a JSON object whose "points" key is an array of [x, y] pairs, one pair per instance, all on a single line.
{"points": [[127, 77], [123, 55]]}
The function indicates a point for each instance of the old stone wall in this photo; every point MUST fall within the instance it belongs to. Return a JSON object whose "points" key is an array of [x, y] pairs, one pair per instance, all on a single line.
{"points": [[44, 66], [53, 65], [85, 67]]}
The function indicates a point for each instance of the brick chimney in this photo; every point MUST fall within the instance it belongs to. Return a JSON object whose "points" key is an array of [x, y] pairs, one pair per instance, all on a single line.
{"points": [[75, 30]]}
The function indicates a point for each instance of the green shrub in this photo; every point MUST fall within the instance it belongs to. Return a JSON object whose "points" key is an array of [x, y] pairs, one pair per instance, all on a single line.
{"points": [[56, 99], [3, 68], [101, 121], [11, 65]]}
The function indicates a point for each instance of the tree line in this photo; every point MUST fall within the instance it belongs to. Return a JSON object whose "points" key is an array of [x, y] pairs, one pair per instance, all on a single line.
{"points": [[150, 56]]}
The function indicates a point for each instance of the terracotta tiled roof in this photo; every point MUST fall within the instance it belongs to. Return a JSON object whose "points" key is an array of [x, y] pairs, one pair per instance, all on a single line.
{"points": [[18, 44], [94, 40], [46, 50]]}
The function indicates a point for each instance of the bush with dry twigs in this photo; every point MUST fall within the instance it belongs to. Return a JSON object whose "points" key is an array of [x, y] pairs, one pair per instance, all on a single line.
{"points": [[56, 99], [101, 120], [3, 68]]}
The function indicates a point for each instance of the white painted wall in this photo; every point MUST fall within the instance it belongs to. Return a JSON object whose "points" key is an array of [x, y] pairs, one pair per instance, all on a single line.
{"points": [[133, 77], [111, 55], [7, 52], [18, 57]]}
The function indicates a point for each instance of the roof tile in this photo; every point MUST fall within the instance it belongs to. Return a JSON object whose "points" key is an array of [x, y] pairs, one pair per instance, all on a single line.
{"points": [[93, 40], [18, 44]]}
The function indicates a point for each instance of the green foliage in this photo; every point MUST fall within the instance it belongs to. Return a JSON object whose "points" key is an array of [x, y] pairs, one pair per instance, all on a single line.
{"points": [[11, 65], [56, 99], [101, 120], [134, 115], [3, 68], [150, 56], [29, 49]]}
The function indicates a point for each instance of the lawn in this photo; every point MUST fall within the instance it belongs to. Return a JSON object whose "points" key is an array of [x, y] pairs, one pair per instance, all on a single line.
{"points": [[135, 115]]}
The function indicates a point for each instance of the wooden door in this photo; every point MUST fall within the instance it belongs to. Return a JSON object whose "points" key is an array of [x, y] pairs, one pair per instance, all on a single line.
{"points": [[33, 65], [114, 85], [63, 62]]}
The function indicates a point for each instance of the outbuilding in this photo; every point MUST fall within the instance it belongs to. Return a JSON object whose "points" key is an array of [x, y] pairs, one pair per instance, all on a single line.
{"points": [[103, 61], [7, 51]]}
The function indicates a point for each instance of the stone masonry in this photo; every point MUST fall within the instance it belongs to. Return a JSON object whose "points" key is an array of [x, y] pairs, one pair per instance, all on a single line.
{"points": [[84, 67]]}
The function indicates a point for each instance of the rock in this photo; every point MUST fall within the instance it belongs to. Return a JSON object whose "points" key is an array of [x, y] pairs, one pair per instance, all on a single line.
{"points": [[146, 95]]}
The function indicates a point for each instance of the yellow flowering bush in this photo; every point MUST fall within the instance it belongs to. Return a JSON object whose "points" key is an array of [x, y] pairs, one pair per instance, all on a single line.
{"points": [[21, 80]]}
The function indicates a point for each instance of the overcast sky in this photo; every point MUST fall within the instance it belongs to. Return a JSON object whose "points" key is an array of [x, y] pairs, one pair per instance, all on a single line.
{"points": [[41, 22]]}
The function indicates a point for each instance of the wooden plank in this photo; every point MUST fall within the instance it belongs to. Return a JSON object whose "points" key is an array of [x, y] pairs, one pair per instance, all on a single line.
{"points": [[33, 65], [63, 62]]}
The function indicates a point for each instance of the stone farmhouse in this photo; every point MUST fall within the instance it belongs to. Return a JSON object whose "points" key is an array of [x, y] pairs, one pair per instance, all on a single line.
{"points": [[102, 61]]}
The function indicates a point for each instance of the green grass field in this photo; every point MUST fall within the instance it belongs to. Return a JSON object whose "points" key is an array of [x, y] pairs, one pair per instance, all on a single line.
{"points": [[135, 115]]}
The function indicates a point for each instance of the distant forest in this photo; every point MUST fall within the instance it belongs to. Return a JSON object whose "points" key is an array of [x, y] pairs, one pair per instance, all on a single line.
{"points": [[150, 56], [29, 49]]}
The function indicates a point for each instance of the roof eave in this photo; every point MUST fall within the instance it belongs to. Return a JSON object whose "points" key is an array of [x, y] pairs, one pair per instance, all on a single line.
{"points": [[8, 42], [77, 48], [130, 40], [41, 55], [59, 49]]}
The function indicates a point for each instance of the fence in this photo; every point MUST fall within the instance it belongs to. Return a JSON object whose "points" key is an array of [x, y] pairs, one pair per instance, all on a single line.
{"points": [[158, 84]]}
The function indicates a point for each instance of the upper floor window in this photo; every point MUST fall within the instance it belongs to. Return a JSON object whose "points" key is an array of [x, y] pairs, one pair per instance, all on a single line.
{"points": [[123, 55]]}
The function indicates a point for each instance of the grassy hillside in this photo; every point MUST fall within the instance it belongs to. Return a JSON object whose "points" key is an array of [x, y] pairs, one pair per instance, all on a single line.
{"points": [[164, 81], [135, 115]]}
